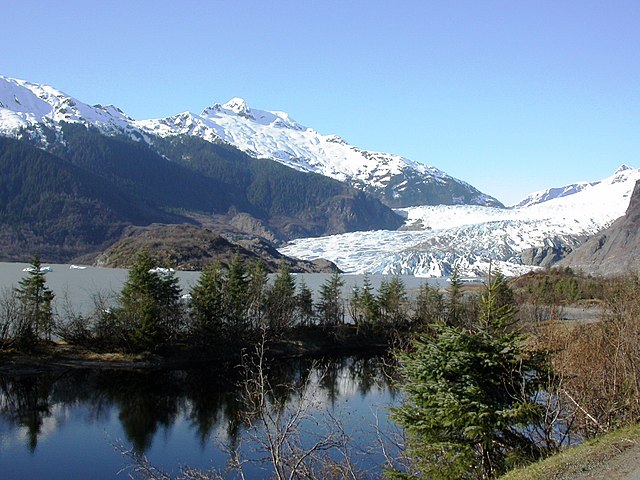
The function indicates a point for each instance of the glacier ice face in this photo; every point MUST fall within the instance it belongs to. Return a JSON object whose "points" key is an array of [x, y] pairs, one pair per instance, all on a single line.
{"points": [[471, 238]]}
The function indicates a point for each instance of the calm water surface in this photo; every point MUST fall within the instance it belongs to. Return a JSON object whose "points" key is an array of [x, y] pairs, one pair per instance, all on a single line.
{"points": [[64, 425], [79, 286]]}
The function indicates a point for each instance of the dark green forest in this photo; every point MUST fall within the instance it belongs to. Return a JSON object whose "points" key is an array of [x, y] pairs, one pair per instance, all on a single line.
{"points": [[79, 195]]}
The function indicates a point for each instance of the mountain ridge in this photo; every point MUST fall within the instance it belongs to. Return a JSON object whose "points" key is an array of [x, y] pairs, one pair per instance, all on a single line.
{"points": [[615, 250], [559, 192], [397, 181], [77, 196]]}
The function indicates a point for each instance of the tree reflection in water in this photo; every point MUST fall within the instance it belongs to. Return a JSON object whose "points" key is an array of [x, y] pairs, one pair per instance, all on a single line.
{"points": [[146, 401], [26, 402]]}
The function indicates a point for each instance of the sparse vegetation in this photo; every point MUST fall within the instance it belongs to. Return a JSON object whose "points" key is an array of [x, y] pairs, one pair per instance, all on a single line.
{"points": [[558, 286]]}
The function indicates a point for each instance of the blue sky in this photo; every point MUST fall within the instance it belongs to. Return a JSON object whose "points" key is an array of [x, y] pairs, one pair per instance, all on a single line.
{"points": [[510, 96]]}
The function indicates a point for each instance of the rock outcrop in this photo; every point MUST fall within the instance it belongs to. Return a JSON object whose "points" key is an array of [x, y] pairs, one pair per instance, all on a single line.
{"points": [[187, 247], [615, 250]]}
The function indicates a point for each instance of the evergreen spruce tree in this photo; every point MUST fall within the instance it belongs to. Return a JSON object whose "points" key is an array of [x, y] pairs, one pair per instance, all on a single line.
{"points": [[150, 304], [455, 308], [256, 292], [363, 307], [331, 305], [281, 302], [392, 302], [468, 396], [353, 306], [304, 303], [36, 306], [207, 304], [235, 297], [368, 304], [429, 305]]}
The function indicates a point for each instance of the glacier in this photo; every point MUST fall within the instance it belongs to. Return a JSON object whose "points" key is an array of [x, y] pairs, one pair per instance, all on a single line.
{"points": [[437, 239], [470, 232]]}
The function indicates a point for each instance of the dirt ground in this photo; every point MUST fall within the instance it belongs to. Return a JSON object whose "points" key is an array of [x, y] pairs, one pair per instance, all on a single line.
{"points": [[623, 465]]}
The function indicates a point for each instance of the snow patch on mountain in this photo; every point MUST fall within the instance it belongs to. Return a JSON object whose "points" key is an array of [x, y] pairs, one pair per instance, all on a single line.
{"points": [[558, 192], [274, 135], [29, 105], [437, 238]]}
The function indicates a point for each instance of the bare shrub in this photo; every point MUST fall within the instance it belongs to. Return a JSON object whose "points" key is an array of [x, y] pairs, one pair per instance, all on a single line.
{"points": [[12, 325], [539, 312], [277, 427], [600, 362], [72, 326]]}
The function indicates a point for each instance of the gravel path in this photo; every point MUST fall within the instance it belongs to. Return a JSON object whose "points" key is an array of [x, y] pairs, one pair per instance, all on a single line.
{"points": [[624, 465], [620, 461]]}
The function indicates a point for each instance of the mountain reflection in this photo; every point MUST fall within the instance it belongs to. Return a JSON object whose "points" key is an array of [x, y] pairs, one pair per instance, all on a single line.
{"points": [[211, 399]]}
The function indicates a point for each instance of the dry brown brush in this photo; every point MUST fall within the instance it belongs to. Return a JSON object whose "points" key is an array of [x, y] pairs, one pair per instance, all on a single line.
{"points": [[598, 363]]}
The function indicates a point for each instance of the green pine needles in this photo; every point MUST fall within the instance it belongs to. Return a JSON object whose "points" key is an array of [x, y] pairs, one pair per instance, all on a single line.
{"points": [[150, 304], [468, 395], [36, 306]]}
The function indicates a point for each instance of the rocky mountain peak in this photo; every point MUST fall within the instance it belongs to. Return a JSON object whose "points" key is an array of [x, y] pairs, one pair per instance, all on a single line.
{"points": [[623, 168], [238, 106]]}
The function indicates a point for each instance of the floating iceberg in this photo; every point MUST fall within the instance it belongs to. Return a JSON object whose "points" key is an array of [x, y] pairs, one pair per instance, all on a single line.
{"points": [[42, 269], [164, 271]]}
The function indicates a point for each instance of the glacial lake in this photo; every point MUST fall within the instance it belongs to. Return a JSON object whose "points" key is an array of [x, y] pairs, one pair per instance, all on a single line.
{"points": [[67, 425], [79, 286]]}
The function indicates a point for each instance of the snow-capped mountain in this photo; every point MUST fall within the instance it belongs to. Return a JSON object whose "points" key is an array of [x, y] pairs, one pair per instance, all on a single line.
{"points": [[275, 135], [555, 192], [437, 238], [26, 108], [30, 106]]}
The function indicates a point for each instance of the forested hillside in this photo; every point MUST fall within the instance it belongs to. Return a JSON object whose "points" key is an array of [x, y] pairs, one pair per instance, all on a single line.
{"points": [[298, 203], [77, 197], [53, 207]]}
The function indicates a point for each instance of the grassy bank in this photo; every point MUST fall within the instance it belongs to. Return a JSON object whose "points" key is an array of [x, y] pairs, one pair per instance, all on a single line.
{"points": [[600, 457]]}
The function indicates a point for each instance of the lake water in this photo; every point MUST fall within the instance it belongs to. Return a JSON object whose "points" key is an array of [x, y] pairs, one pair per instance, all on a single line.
{"points": [[64, 425], [79, 286]]}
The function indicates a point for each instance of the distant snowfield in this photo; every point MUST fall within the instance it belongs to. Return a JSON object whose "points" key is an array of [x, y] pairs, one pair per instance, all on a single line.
{"points": [[473, 237]]}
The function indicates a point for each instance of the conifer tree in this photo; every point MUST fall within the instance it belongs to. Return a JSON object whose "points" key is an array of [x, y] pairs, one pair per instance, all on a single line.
{"points": [[429, 305], [304, 303], [468, 396], [150, 303], [281, 301], [256, 291], [392, 301], [455, 308], [235, 297], [331, 305], [207, 303], [36, 305], [368, 304]]}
